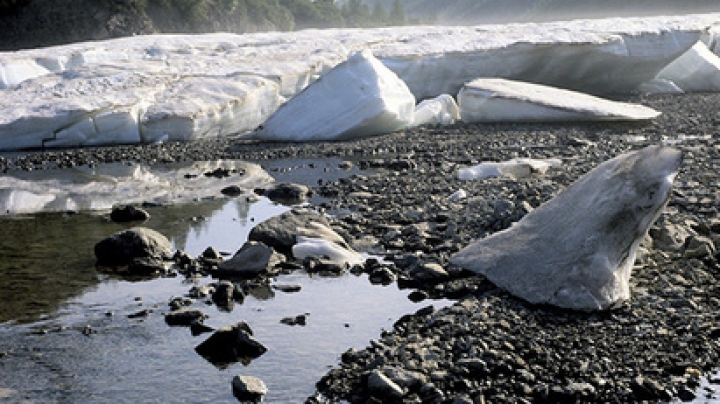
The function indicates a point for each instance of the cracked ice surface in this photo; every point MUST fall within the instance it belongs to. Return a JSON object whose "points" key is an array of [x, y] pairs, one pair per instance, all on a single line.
{"points": [[179, 87]]}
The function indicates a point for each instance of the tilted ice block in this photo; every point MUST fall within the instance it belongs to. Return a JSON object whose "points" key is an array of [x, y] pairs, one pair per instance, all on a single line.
{"points": [[498, 100], [441, 110], [698, 69], [202, 107], [577, 250], [359, 97]]}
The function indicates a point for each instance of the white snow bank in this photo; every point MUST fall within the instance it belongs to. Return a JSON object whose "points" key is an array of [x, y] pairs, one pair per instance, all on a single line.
{"points": [[497, 100], [98, 188], [698, 69], [441, 110], [358, 98], [516, 169], [149, 88]]}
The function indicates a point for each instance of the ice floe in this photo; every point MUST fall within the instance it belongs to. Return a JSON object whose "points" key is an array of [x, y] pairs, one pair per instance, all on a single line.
{"points": [[497, 100], [85, 188], [146, 89]]}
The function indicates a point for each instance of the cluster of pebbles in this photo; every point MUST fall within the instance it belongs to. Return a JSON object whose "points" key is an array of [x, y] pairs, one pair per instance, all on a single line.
{"points": [[490, 346]]}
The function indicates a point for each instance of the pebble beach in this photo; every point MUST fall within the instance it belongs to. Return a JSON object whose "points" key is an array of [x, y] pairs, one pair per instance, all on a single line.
{"points": [[490, 346]]}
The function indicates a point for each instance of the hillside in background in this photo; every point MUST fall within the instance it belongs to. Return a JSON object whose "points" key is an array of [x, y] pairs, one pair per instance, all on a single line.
{"points": [[37, 23], [498, 11]]}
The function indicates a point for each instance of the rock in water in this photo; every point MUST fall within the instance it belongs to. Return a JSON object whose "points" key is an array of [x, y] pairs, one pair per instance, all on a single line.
{"points": [[577, 250]]}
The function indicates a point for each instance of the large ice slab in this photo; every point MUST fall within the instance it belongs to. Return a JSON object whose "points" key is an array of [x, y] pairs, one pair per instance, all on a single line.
{"points": [[358, 98], [85, 188], [181, 87], [498, 100]]}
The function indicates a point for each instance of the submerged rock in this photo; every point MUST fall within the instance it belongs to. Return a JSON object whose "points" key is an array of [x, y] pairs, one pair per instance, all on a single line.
{"points": [[577, 250]]}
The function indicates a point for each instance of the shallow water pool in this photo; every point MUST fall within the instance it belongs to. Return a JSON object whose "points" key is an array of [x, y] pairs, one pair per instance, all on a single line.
{"points": [[65, 334]]}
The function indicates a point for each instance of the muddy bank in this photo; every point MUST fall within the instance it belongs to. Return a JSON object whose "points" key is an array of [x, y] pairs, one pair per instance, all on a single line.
{"points": [[491, 346]]}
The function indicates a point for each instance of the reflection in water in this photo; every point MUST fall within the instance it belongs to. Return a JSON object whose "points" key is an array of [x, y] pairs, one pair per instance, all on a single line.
{"points": [[84, 188], [48, 258], [95, 348]]}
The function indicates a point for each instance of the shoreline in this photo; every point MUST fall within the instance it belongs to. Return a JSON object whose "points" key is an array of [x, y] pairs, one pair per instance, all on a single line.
{"points": [[490, 345]]}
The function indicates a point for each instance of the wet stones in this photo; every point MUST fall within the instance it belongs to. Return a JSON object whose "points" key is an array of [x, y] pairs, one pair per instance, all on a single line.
{"points": [[248, 389], [252, 259], [286, 193], [128, 213], [184, 317], [231, 344]]}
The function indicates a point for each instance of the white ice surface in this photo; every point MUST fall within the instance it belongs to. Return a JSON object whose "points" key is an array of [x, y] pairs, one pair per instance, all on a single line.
{"points": [[99, 188], [497, 100], [516, 168], [357, 98], [157, 87]]}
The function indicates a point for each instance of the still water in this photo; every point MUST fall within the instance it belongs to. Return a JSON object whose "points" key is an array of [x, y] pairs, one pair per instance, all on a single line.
{"points": [[65, 334]]}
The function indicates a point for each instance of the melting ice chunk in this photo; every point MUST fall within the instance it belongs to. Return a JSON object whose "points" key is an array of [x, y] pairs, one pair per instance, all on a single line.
{"points": [[442, 110], [498, 100], [358, 98]]}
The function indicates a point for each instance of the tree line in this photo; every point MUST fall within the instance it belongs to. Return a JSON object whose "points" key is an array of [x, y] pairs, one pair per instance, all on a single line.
{"points": [[249, 15]]}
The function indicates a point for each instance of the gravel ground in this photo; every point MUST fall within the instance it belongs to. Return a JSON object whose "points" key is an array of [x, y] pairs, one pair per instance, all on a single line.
{"points": [[491, 347]]}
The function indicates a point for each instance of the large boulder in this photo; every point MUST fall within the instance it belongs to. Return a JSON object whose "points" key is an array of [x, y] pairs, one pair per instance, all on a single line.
{"points": [[280, 232], [124, 247]]}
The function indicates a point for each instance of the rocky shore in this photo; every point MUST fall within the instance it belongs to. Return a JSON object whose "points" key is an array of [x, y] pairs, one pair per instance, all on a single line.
{"points": [[489, 346]]}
